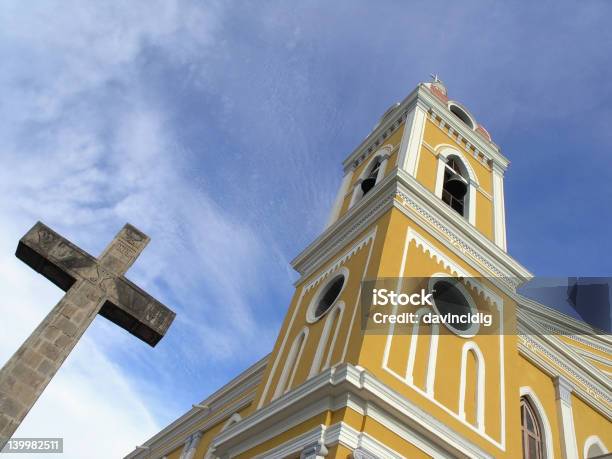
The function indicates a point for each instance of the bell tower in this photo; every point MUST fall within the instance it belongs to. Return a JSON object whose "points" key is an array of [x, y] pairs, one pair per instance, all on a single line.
{"points": [[444, 149], [422, 195]]}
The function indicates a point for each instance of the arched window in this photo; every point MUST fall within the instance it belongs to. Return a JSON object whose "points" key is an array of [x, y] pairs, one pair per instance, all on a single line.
{"points": [[327, 342], [462, 115], [531, 432], [472, 385], [291, 364], [594, 448], [368, 183], [327, 296], [455, 186], [432, 353], [372, 174], [456, 182], [451, 298]]}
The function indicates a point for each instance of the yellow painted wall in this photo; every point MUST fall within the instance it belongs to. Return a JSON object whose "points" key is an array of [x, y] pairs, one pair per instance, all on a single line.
{"points": [[322, 418], [434, 139], [450, 346], [542, 384], [394, 140], [382, 257], [589, 422], [361, 264]]}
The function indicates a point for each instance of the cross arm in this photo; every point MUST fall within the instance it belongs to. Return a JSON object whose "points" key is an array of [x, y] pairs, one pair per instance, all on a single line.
{"points": [[125, 304], [53, 256]]}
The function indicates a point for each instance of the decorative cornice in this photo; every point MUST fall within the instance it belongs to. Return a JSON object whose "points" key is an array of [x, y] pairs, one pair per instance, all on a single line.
{"points": [[460, 141], [451, 266], [422, 96], [346, 229], [563, 390], [383, 131], [551, 361], [335, 388], [483, 147], [562, 324], [402, 191], [220, 407]]}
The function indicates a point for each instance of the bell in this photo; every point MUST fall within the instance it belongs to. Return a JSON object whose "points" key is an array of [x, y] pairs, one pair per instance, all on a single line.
{"points": [[368, 184], [456, 186]]}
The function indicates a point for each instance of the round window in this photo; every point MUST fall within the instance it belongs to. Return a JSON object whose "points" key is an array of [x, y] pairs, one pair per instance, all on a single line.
{"points": [[462, 115], [326, 297], [452, 301]]}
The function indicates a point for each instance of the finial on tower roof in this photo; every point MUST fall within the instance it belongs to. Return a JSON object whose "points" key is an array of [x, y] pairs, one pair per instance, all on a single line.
{"points": [[437, 83], [435, 78]]}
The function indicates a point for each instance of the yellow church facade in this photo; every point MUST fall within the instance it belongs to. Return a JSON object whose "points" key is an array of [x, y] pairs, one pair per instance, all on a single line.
{"points": [[422, 198]]}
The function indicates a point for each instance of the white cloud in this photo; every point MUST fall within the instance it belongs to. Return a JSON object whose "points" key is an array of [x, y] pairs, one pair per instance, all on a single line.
{"points": [[85, 149]]}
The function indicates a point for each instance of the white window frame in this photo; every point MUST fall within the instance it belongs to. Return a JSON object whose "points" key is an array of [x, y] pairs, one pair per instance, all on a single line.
{"points": [[311, 316], [472, 347], [443, 153], [545, 428], [594, 440], [383, 154]]}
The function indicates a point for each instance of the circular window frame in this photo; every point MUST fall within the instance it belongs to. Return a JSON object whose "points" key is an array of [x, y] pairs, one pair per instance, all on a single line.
{"points": [[465, 112], [474, 327], [311, 316]]}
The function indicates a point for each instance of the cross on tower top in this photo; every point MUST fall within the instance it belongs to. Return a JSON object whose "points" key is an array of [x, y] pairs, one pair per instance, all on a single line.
{"points": [[435, 78]]}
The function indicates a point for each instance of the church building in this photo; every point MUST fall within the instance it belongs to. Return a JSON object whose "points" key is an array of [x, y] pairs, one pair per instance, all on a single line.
{"points": [[422, 197]]}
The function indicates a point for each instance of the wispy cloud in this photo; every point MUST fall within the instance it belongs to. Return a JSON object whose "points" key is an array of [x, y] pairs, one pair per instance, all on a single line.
{"points": [[219, 129], [87, 146]]}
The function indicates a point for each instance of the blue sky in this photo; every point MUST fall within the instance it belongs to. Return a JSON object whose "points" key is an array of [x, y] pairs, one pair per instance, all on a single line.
{"points": [[218, 128]]}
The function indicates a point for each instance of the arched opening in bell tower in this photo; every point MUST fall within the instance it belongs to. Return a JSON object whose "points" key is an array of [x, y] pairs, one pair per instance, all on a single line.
{"points": [[456, 185]]}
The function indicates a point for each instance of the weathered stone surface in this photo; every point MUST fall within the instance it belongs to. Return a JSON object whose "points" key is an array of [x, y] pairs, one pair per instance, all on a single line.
{"points": [[93, 287], [9, 407]]}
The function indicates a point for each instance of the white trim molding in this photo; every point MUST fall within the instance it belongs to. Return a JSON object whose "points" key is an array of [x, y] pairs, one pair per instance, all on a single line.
{"points": [[594, 441], [443, 152], [191, 445], [480, 397], [537, 405], [499, 208], [347, 386], [311, 316], [333, 320], [452, 103], [432, 357], [424, 98], [454, 270], [234, 396], [340, 196], [406, 194], [412, 138], [291, 363], [333, 266], [382, 155], [563, 396]]}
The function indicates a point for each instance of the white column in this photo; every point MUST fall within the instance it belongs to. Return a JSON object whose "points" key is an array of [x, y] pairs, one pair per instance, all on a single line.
{"points": [[472, 187], [499, 211], [191, 445], [440, 175], [314, 451], [412, 139], [382, 168], [335, 212], [362, 453], [356, 192], [563, 395]]}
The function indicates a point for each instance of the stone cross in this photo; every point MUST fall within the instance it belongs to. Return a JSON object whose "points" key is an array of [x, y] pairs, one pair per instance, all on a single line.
{"points": [[93, 286]]}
